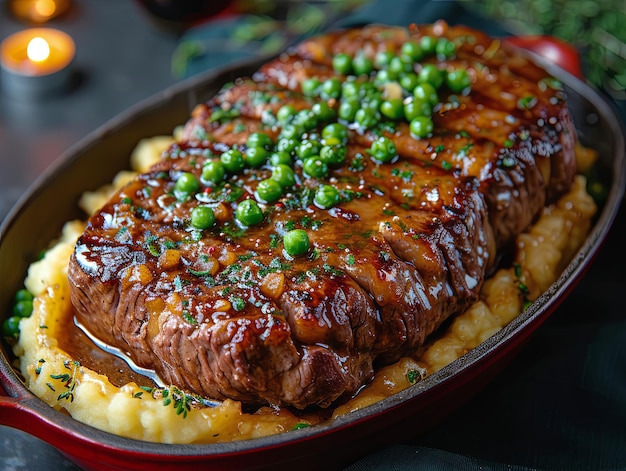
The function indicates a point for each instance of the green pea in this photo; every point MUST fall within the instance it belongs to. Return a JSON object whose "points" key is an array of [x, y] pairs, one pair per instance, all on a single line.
{"points": [[284, 175], [431, 74], [350, 89], [202, 217], [256, 156], [323, 112], [428, 44], [23, 295], [11, 327], [393, 108], [412, 51], [326, 196], [384, 76], [291, 131], [362, 64], [233, 160], [342, 63], [186, 184], [305, 119], [288, 145], [268, 118], [308, 148], [416, 107], [269, 190], [296, 242], [336, 130], [313, 167], [331, 88], [425, 91], [422, 126], [367, 118], [348, 109], [248, 213], [213, 171], [285, 113], [458, 80], [333, 154], [445, 48], [398, 66], [331, 141], [310, 87], [259, 139], [367, 89], [23, 308], [409, 81], [372, 101], [280, 157], [383, 58], [383, 150]]}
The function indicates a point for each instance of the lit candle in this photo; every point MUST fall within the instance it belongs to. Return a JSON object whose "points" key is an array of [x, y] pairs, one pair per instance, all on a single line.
{"points": [[38, 11], [36, 62]]}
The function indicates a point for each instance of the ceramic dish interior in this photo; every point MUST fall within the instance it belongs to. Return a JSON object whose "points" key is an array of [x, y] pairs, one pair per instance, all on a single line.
{"points": [[40, 214]]}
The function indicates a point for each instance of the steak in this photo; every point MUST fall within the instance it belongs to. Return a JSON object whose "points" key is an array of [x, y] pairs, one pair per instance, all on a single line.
{"points": [[227, 311]]}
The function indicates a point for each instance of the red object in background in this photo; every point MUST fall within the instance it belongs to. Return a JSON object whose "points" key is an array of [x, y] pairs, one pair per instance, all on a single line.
{"points": [[554, 49]]}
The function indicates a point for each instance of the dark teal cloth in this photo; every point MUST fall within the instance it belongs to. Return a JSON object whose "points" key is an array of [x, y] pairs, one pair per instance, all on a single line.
{"points": [[562, 403], [213, 46]]}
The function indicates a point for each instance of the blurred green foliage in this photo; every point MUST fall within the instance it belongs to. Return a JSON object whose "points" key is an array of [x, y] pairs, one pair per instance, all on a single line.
{"points": [[597, 28], [263, 27]]}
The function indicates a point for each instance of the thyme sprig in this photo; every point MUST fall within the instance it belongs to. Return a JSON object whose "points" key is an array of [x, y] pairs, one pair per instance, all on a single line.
{"points": [[521, 286], [181, 401], [68, 380]]}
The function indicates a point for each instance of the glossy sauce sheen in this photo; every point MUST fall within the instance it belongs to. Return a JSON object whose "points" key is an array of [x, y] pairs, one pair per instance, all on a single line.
{"points": [[226, 312], [82, 349]]}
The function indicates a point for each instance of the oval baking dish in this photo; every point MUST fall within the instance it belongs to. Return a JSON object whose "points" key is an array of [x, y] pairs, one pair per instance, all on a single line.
{"points": [[40, 214]]}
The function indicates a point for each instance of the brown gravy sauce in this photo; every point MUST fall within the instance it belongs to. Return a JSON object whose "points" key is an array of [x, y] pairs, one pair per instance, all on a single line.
{"points": [[119, 369], [79, 346]]}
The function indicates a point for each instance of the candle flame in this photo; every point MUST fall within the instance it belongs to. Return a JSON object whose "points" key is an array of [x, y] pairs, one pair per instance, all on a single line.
{"points": [[45, 8], [38, 49]]}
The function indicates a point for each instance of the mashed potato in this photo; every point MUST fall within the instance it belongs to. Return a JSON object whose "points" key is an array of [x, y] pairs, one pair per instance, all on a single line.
{"points": [[169, 415]]}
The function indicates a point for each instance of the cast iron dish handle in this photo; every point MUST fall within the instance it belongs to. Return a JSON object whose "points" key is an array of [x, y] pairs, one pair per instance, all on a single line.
{"points": [[16, 413], [23, 411]]}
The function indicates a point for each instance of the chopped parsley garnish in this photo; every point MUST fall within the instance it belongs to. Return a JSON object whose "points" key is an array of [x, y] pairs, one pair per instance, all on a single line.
{"points": [[274, 239], [332, 270], [406, 175], [357, 163], [300, 425], [238, 303], [121, 234], [189, 318], [275, 265], [180, 283], [152, 245], [223, 116], [412, 376], [527, 102]]}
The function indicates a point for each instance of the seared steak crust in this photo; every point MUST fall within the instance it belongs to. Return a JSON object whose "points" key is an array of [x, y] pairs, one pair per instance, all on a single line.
{"points": [[225, 312]]}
